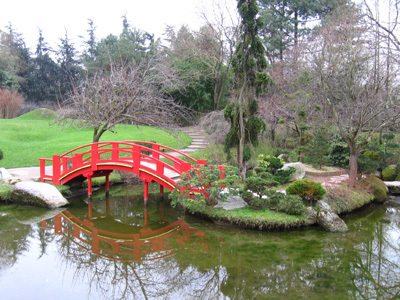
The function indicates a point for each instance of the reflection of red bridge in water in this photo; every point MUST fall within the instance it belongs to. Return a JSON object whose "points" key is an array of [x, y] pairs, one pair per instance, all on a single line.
{"points": [[148, 160], [126, 246]]}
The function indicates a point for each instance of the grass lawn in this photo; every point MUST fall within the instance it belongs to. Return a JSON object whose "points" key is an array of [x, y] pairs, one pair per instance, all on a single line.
{"points": [[31, 136]]}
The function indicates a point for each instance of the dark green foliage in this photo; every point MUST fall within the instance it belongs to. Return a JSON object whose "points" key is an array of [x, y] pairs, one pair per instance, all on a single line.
{"points": [[307, 189], [248, 64], [258, 184], [319, 148], [270, 163], [70, 69], [291, 205], [198, 91], [367, 163], [42, 80], [1, 154], [286, 21], [339, 155], [283, 176], [288, 204], [207, 183]]}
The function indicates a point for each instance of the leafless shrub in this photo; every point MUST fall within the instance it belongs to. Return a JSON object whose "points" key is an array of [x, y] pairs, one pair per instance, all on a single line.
{"points": [[10, 103], [215, 125]]}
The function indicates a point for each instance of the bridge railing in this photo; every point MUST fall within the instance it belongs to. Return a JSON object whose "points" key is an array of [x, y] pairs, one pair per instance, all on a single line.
{"points": [[132, 153]]}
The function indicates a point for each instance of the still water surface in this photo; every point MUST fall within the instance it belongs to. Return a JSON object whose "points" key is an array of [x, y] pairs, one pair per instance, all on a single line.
{"points": [[112, 248]]}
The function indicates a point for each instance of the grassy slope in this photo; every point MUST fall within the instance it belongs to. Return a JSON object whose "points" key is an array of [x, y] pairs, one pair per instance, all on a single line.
{"points": [[25, 139]]}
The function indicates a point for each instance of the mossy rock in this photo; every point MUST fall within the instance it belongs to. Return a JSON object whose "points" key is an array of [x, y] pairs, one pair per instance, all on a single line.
{"points": [[377, 187], [389, 173]]}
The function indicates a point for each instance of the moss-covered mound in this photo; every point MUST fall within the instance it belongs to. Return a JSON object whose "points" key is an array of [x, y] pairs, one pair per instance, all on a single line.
{"points": [[263, 219], [376, 187], [344, 199], [389, 173]]}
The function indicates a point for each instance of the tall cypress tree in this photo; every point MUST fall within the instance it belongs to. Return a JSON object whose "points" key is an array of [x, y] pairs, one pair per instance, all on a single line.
{"points": [[249, 65]]}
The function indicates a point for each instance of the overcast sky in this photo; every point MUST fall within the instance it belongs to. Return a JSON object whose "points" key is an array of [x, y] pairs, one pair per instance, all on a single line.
{"points": [[54, 17]]}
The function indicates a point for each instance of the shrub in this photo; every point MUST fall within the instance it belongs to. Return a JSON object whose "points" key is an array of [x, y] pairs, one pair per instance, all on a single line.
{"points": [[291, 205], [339, 155], [259, 183], [366, 163], [283, 176], [1, 154], [271, 163], [307, 189], [202, 186], [288, 204]]}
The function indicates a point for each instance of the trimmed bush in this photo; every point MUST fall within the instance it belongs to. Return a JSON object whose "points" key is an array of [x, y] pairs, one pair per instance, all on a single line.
{"points": [[291, 205], [288, 204], [1, 154], [307, 189]]}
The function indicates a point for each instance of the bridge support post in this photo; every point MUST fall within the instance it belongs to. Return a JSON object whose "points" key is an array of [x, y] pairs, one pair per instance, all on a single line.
{"points": [[146, 192], [89, 180], [161, 190], [108, 184]]}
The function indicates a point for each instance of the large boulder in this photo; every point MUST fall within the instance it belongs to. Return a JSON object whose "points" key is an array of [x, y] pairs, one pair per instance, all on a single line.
{"points": [[329, 220], [300, 170], [285, 157], [232, 202], [37, 194]]}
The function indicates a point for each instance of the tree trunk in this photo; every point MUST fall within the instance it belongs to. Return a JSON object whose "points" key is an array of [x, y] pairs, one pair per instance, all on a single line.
{"points": [[240, 158], [353, 163], [97, 133]]}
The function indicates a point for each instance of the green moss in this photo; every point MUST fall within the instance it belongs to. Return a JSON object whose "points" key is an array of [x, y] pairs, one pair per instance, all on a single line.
{"points": [[389, 173], [344, 199], [377, 187], [5, 191], [264, 219]]}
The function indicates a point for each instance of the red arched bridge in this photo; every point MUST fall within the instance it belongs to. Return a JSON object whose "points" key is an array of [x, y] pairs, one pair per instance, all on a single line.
{"points": [[151, 161]]}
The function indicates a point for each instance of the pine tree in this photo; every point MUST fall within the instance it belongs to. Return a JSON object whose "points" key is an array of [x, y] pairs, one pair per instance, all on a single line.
{"points": [[249, 65], [319, 148]]}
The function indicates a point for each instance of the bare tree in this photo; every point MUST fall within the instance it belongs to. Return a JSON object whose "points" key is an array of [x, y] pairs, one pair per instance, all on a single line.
{"points": [[362, 101], [124, 94]]}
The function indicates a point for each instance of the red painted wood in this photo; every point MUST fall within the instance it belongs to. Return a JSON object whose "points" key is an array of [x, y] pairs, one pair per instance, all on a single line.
{"points": [[100, 159]]}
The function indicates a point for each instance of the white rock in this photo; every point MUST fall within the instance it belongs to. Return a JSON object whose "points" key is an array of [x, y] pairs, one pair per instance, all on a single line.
{"points": [[300, 170], [231, 202], [38, 194]]}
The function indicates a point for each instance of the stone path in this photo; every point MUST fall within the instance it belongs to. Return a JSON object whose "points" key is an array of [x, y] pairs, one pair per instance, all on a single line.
{"points": [[329, 181], [199, 141]]}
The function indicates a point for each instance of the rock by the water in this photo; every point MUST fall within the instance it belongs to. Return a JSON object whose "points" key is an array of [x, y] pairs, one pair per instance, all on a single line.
{"points": [[7, 177], [300, 170], [232, 202], [328, 219], [37, 194]]}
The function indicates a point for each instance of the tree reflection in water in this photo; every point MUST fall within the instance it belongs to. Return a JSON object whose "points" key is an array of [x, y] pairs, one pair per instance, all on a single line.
{"points": [[229, 263]]}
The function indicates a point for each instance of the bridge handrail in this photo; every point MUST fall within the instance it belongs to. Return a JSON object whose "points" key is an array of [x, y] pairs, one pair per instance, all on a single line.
{"points": [[135, 143], [95, 150]]}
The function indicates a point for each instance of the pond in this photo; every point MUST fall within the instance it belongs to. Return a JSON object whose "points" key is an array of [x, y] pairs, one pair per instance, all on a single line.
{"points": [[114, 248]]}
